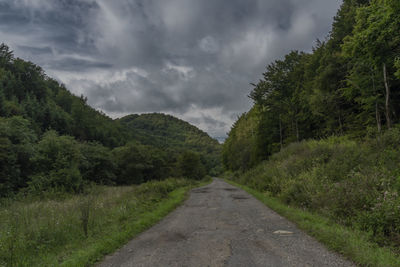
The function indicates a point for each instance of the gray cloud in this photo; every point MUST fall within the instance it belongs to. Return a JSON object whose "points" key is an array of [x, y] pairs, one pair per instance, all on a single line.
{"points": [[192, 59]]}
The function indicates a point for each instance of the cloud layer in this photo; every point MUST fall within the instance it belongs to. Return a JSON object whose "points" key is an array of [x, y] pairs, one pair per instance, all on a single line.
{"points": [[189, 58]]}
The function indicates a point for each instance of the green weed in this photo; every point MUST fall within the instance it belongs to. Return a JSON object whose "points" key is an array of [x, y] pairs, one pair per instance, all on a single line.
{"points": [[78, 230]]}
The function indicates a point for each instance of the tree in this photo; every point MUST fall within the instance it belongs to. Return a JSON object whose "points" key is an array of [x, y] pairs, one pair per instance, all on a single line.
{"points": [[16, 150], [280, 94], [98, 164], [133, 162], [190, 166], [6, 55], [241, 150], [397, 65], [56, 164], [2, 101], [375, 41]]}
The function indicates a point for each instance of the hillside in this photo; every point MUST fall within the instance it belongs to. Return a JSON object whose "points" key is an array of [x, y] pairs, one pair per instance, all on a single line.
{"points": [[26, 91], [172, 134], [168, 132], [52, 140]]}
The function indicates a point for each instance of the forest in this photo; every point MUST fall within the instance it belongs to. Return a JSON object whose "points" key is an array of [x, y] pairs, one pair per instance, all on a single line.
{"points": [[348, 85], [323, 134], [52, 141]]}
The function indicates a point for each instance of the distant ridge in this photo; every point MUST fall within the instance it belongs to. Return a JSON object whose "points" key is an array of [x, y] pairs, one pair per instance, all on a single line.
{"points": [[172, 134]]}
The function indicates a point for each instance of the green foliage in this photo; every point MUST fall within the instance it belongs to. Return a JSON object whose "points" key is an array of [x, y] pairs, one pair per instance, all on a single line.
{"points": [[79, 145], [240, 149], [56, 164], [355, 184], [26, 91], [397, 65], [16, 150], [348, 85], [374, 36], [137, 163], [372, 48], [98, 164], [190, 166], [174, 136]]}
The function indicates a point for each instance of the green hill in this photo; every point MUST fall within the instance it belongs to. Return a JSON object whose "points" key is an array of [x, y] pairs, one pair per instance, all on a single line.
{"points": [[166, 131], [52, 140], [172, 134]]}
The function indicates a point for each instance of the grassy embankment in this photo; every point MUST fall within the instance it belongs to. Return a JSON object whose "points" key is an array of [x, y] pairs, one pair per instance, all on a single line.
{"points": [[78, 230], [344, 193]]}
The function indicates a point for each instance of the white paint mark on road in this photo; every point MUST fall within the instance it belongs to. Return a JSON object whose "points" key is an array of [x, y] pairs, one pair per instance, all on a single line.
{"points": [[283, 232]]}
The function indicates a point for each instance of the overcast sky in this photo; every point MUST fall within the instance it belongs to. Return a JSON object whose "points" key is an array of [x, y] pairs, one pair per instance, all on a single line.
{"points": [[190, 58]]}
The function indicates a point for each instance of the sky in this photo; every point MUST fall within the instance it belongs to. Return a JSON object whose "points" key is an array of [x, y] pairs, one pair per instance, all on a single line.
{"points": [[194, 59]]}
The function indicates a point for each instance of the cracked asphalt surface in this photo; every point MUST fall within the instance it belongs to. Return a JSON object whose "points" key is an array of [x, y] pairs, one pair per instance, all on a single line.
{"points": [[221, 225]]}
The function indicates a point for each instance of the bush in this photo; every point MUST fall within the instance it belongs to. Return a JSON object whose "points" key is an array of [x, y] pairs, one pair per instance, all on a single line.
{"points": [[61, 180], [16, 150], [56, 164], [98, 164], [190, 166], [134, 163], [356, 184]]}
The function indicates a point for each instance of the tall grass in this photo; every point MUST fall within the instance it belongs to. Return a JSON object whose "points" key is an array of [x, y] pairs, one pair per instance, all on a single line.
{"points": [[356, 184], [52, 232]]}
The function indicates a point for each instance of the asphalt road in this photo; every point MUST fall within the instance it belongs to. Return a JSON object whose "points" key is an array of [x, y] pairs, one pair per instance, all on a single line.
{"points": [[221, 225]]}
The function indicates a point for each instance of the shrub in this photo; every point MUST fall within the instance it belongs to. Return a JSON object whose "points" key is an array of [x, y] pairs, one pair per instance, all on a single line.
{"points": [[98, 164], [16, 150], [57, 164], [190, 166], [356, 184]]}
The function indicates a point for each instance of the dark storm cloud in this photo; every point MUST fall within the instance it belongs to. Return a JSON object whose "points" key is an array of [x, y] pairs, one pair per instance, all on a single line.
{"points": [[58, 23], [72, 64], [35, 50], [193, 59]]}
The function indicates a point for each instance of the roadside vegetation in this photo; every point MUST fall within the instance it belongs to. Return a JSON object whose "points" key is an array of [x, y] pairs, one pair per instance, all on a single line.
{"points": [[323, 134], [353, 184], [353, 244], [78, 230]]}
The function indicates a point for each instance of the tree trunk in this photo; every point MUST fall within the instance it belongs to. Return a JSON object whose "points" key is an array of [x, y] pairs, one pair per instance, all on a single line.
{"points": [[297, 131], [378, 118], [280, 131], [340, 123], [387, 98], [377, 113]]}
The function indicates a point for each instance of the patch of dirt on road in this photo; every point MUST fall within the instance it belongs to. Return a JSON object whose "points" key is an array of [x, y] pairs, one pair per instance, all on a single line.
{"points": [[230, 189], [239, 197], [201, 190], [173, 237]]}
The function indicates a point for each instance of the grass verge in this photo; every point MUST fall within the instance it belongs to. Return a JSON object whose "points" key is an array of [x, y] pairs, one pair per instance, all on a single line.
{"points": [[79, 230], [94, 252], [353, 244]]}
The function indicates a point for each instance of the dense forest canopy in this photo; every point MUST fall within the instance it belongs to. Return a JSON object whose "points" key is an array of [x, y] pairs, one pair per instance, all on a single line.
{"points": [[349, 84], [52, 140]]}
